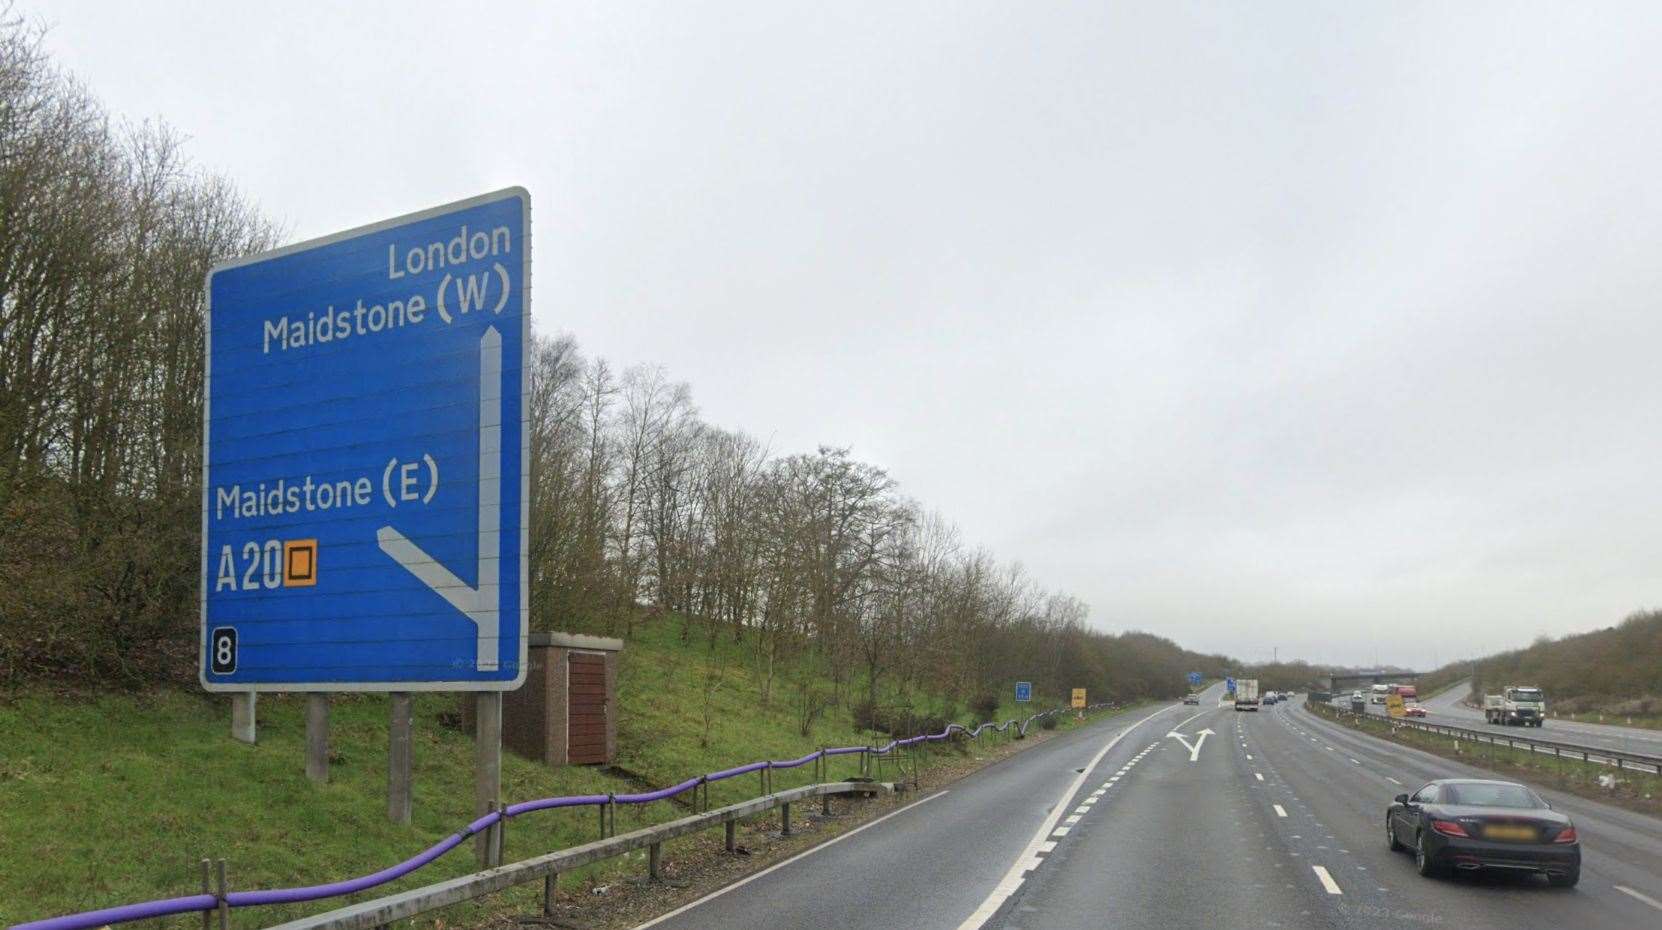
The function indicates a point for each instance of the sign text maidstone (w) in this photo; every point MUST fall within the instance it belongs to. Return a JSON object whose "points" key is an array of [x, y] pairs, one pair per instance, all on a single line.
{"points": [[365, 465]]}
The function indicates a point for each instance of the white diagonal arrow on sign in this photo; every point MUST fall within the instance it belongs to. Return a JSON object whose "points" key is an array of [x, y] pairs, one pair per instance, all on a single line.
{"points": [[1194, 751], [482, 605]]}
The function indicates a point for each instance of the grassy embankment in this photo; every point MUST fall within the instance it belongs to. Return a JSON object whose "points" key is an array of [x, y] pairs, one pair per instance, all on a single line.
{"points": [[1604, 676], [1638, 791], [111, 798]]}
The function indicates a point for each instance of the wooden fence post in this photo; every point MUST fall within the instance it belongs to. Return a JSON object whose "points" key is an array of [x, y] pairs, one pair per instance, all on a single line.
{"points": [[487, 768]]}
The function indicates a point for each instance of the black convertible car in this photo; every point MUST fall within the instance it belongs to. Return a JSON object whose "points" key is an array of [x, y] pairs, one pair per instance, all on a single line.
{"points": [[1470, 824]]}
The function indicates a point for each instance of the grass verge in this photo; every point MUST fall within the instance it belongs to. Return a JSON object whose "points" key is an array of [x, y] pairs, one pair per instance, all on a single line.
{"points": [[109, 799], [1632, 790]]}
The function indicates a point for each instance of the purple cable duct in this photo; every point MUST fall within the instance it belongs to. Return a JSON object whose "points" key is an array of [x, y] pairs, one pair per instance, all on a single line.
{"points": [[658, 795], [793, 763], [741, 770], [166, 907], [578, 800], [127, 912], [351, 885]]}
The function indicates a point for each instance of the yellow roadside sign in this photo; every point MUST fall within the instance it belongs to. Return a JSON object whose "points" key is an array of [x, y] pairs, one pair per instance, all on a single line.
{"points": [[1079, 697], [1393, 705]]}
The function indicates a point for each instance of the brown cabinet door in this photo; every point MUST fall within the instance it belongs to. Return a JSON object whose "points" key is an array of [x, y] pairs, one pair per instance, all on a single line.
{"points": [[586, 710]]}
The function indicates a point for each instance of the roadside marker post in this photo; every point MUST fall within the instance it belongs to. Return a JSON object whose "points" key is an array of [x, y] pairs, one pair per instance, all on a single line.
{"points": [[365, 469]]}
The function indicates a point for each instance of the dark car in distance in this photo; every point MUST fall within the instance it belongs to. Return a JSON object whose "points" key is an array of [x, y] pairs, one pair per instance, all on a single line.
{"points": [[1468, 824], [1191, 698]]}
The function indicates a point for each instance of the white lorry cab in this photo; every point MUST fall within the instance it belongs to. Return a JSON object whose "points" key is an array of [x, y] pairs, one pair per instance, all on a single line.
{"points": [[1377, 696], [1516, 705]]}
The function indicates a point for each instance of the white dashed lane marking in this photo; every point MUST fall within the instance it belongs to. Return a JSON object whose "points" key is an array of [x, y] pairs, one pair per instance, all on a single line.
{"points": [[1258, 775], [1326, 880], [1279, 810]]}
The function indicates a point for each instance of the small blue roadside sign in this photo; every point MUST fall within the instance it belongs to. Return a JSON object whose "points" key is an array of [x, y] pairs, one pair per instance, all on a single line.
{"points": [[365, 466], [1194, 679], [1024, 691], [1229, 684]]}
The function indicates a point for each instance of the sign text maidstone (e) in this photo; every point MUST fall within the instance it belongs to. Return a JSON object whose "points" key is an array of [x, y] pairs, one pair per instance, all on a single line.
{"points": [[365, 463]]}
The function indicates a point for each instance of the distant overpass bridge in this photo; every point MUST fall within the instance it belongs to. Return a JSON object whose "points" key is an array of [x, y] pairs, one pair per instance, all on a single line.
{"points": [[1362, 681]]}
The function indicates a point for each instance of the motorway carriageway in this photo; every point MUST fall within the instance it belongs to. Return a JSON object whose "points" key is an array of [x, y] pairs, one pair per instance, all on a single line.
{"points": [[1274, 819], [1445, 708]]}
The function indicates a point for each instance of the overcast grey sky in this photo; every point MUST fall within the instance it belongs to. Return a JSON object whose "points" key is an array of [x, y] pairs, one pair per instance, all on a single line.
{"points": [[1330, 327]]}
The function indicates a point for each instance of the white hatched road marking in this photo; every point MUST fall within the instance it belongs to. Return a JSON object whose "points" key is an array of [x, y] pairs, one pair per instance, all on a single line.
{"points": [[1327, 880], [1028, 858]]}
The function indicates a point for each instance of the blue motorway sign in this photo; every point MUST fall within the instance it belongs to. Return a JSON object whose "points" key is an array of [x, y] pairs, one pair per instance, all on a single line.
{"points": [[1229, 684], [1194, 678], [365, 468], [1024, 691]]}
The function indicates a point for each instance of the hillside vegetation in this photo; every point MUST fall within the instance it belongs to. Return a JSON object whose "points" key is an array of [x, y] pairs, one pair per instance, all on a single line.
{"points": [[112, 798], [814, 562], [1616, 670]]}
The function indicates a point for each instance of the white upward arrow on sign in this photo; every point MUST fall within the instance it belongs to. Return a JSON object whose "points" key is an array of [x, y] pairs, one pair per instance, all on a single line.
{"points": [[1194, 751], [482, 605]]}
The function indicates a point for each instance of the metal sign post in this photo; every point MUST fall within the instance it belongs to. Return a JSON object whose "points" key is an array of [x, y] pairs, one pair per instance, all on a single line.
{"points": [[365, 466]]}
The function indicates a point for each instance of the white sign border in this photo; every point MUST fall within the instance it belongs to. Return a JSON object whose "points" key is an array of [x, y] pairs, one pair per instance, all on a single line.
{"points": [[231, 687]]}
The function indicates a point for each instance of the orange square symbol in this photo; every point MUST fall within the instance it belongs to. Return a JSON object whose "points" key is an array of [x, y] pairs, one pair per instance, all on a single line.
{"points": [[299, 563]]}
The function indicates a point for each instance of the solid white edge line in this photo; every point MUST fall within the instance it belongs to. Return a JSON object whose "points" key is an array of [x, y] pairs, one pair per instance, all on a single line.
{"points": [[1327, 880], [1012, 879], [784, 862], [1640, 896]]}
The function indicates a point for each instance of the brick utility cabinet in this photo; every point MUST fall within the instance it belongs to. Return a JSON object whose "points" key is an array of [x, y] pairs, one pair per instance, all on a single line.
{"points": [[566, 713]]}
